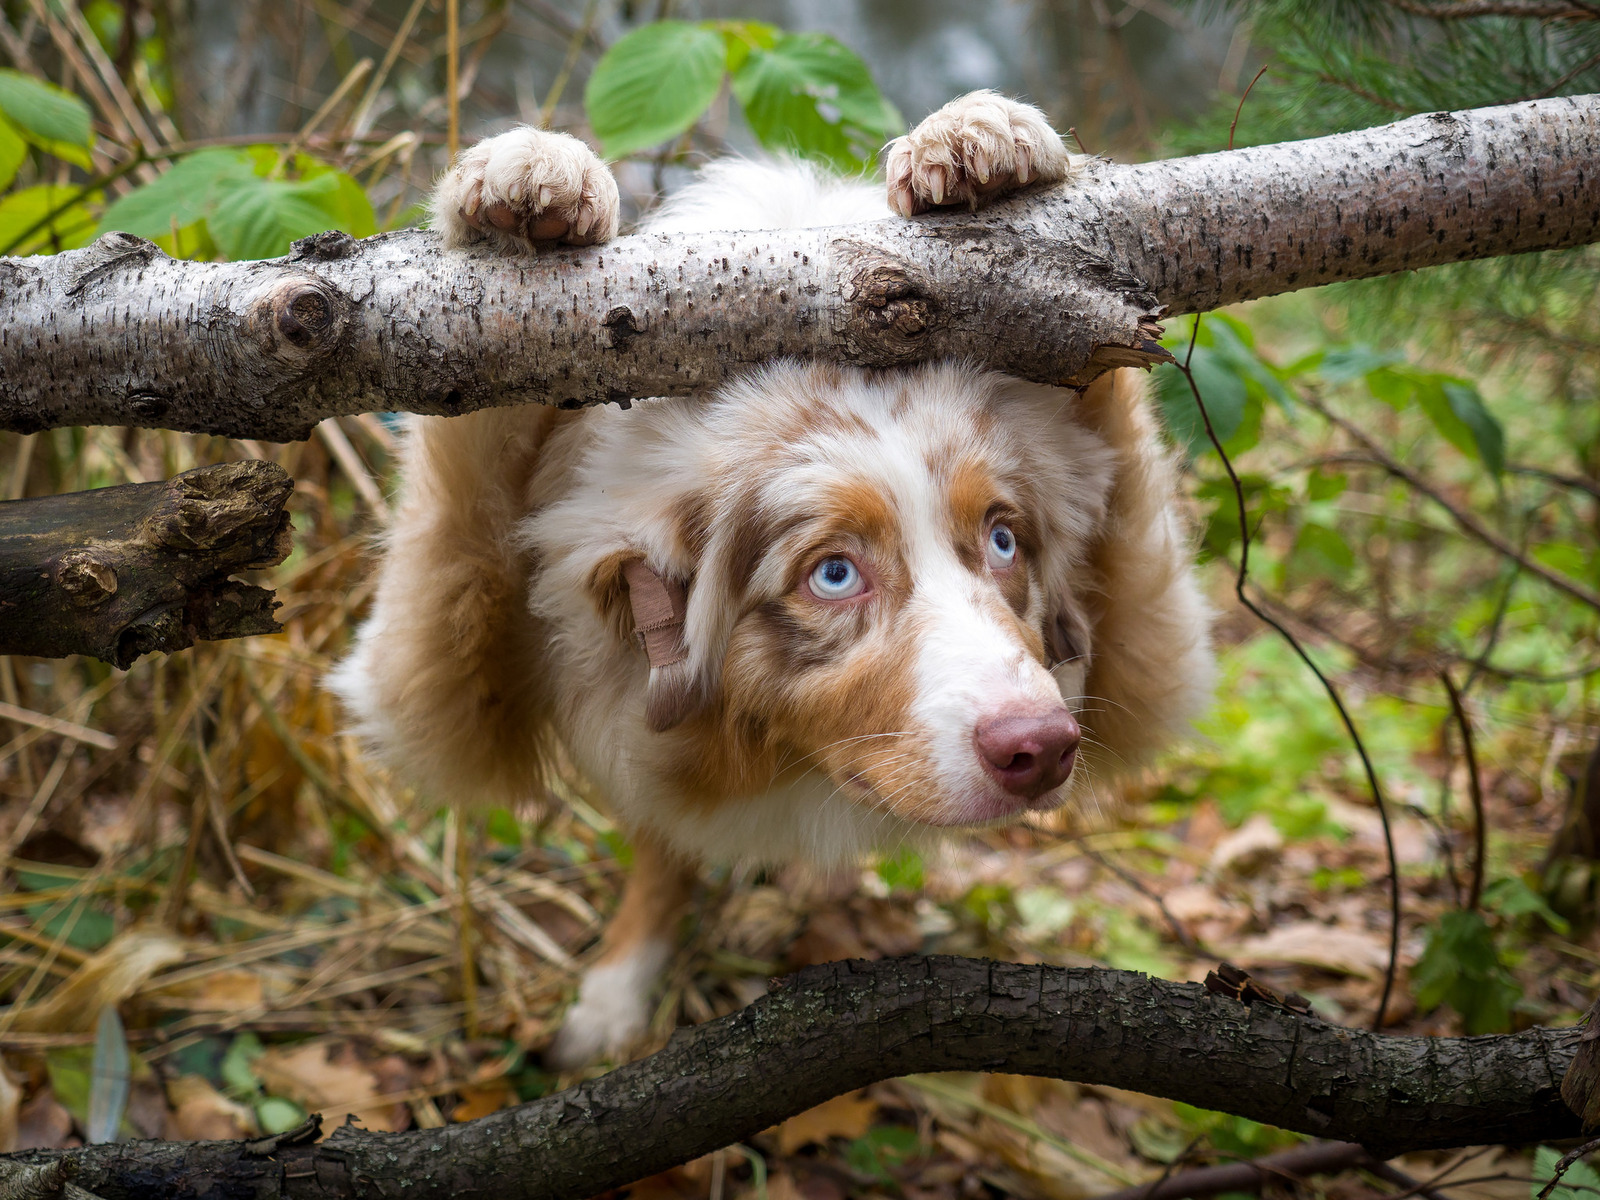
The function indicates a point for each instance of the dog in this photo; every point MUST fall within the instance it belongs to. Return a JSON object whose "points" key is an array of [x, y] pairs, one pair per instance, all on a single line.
{"points": [[813, 613]]}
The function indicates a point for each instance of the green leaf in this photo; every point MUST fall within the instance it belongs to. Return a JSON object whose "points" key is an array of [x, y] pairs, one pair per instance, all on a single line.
{"points": [[71, 227], [109, 1081], [276, 1115], [246, 215], [1325, 485], [1581, 1181], [44, 111], [903, 872], [653, 84], [742, 37], [1461, 967], [69, 1070], [259, 218], [811, 95], [182, 195], [12, 151], [238, 1066], [1458, 413], [1342, 364], [502, 827], [1512, 897], [1222, 390]]}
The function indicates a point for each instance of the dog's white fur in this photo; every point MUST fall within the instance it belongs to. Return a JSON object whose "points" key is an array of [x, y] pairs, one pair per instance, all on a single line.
{"points": [[797, 728]]}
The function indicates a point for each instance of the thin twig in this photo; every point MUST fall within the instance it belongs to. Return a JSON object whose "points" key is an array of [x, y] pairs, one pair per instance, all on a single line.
{"points": [[1242, 99], [1475, 786], [1467, 521], [1185, 939], [1564, 1164], [1239, 588]]}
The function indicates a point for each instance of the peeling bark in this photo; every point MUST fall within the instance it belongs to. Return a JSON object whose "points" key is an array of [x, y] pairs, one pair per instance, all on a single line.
{"points": [[1056, 285], [122, 571], [830, 1029]]}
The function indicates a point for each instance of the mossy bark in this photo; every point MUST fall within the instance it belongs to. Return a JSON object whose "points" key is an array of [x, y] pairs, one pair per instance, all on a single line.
{"points": [[122, 571]]}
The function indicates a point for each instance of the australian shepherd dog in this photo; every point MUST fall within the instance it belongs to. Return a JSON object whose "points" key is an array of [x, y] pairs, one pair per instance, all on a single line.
{"points": [[811, 613]]}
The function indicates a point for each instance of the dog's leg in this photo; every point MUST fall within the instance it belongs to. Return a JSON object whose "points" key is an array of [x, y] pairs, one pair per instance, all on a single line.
{"points": [[971, 151], [447, 680], [612, 1010]]}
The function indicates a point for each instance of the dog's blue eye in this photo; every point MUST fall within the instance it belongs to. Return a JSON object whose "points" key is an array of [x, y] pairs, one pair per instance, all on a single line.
{"points": [[836, 578], [1002, 547]]}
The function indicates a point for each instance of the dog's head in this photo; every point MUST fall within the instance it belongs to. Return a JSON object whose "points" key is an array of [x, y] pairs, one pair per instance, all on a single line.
{"points": [[881, 577]]}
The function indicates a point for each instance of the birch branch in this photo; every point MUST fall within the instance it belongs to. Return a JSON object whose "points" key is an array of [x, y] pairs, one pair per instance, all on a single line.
{"points": [[833, 1028], [1056, 285]]}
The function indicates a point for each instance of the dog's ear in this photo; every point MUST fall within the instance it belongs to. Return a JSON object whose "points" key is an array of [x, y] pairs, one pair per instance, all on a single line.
{"points": [[1068, 643], [659, 605], [649, 609], [1066, 636]]}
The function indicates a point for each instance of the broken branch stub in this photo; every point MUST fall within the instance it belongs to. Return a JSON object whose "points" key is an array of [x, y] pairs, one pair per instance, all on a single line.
{"points": [[122, 571]]}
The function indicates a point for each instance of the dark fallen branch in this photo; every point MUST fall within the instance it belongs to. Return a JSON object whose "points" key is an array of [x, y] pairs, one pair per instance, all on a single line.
{"points": [[122, 571], [1056, 285], [830, 1029]]}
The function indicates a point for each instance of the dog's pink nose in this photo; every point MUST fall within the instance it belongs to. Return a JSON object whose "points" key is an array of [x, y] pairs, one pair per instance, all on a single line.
{"points": [[1029, 754]]}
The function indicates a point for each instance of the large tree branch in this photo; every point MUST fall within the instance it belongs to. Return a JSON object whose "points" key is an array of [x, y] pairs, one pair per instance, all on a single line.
{"points": [[1055, 285], [121, 571], [840, 1026]]}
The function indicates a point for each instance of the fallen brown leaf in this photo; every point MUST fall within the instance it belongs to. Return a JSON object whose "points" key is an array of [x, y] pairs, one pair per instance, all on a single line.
{"points": [[847, 1116]]}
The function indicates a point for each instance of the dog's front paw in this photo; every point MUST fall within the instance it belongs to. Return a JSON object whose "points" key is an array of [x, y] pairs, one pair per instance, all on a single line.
{"points": [[527, 187], [612, 1012], [971, 151]]}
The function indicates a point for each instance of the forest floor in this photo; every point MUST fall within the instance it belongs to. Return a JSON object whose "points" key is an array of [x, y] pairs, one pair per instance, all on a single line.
{"points": [[194, 845]]}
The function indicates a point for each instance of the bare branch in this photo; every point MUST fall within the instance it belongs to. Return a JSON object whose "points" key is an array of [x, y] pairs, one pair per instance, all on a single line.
{"points": [[1055, 286], [840, 1026]]}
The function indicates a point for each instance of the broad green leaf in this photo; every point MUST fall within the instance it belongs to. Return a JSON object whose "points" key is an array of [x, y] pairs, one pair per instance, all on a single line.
{"points": [[742, 37], [238, 1066], [109, 1081], [1345, 363], [72, 226], [1458, 413], [811, 95], [180, 196], [276, 1115], [69, 1070], [12, 151], [1232, 339], [1512, 897], [502, 827], [259, 218], [1394, 388], [1581, 1181], [903, 871], [1222, 390], [1461, 967], [43, 110], [1487, 434], [653, 84]]}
